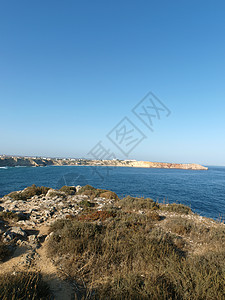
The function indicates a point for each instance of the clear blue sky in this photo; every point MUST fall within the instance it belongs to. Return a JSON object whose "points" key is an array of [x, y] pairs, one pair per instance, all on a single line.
{"points": [[71, 70]]}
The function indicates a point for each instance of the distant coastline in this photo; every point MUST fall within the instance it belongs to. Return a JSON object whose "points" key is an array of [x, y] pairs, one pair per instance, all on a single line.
{"points": [[24, 161]]}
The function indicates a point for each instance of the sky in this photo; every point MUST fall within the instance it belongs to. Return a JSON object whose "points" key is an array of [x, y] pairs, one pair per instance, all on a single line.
{"points": [[72, 72]]}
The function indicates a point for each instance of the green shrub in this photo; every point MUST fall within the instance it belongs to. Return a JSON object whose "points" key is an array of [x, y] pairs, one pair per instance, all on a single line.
{"points": [[178, 208], [86, 203], [56, 193], [89, 191], [68, 190], [92, 193], [86, 188], [108, 195], [16, 196], [29, 192]]}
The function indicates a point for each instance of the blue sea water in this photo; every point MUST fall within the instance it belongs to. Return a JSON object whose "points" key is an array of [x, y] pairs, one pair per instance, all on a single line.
{"points": [[204, 191]]}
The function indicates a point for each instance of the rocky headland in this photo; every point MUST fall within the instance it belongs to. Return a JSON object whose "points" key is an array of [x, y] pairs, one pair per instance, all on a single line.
{"points": [[80, 239], [12, 161]]}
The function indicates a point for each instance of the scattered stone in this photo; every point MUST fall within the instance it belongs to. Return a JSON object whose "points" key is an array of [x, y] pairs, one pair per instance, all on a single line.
{"points": [[8, 201], [78, 187], [41, 238], [48, 236], [46, 208], [14, 232], [18, 231], [29, 257], [32, 238]]}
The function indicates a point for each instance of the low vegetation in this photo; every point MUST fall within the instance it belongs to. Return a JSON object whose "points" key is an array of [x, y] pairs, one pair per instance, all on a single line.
{"points": [[86, 203], [181, 226], [64, 191], [4, 251], [68, 190], [96, 215], [23, 285], [56, 193], [209, 237], [10, 217], [132, 203], [122, 254], [92, 192], [178, 208], [29, 192], [130, 248]]}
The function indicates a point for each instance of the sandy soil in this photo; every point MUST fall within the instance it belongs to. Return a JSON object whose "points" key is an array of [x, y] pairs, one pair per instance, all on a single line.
{"points": [[60, 287]]}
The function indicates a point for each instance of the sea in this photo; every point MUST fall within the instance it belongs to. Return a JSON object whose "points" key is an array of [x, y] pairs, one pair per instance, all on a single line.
{"points": [[203, 191]]}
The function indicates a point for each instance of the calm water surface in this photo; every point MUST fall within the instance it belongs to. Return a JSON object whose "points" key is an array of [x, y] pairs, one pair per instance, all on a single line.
{"points": [[204, 191]]}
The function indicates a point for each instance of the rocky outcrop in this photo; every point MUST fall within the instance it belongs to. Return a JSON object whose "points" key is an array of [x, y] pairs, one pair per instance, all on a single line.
{"points": [[22, 220], [23, 162], [14, 232], [146, 164], [173, 231], [41, 209]]}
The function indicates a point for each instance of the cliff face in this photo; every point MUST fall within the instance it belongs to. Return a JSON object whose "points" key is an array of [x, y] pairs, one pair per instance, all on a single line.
{"points": [[24, 162], [146, 164], [38, 162]]}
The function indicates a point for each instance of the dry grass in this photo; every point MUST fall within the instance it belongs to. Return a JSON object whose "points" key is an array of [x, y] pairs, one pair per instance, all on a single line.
{"points": [[23, 285], [207, 234], [180, 226], [132, 203], [96, 215], [4, 251], [153, 215], [133, 249], [177, 208], [9, 216], [125, 248], [131, 256]]}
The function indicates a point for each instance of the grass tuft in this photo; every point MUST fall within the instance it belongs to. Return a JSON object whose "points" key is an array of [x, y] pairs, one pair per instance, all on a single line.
{"points": [[178, 208], [4, 251], [132, 203], [23, 285]]}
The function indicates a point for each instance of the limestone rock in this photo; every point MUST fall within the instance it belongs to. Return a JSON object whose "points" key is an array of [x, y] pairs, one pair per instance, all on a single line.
{"points": [[14, 232], [18, 231], [78, 187]]}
